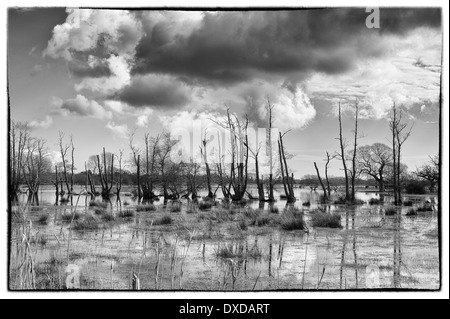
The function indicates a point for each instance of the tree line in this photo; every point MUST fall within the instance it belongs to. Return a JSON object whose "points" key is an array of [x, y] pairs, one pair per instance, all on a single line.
{"points": [[152, 164]]}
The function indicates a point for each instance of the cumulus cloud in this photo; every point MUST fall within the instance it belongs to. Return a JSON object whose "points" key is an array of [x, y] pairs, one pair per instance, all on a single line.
{"points": [[45, 123], [119, 131], [81, 106], [36, 70], [107, 31]]}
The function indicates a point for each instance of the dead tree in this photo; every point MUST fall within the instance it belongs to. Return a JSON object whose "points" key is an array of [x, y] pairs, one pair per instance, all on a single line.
{"points": [[119, 179], [204, 153], [373, 160], [355, 145], [151, 151], [238, 179], [327, 163], [288, 181], [63, 149], [270, 151], [136, 161], [342, 155], [321, 182], [36, 164], [18, 139], [400, 133], [106, 174]]}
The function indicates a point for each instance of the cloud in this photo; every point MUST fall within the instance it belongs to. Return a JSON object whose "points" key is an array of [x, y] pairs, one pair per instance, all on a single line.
{"points": [[158, 91], [36, 70], [81, 106], [45, 123], [119, 131], [231, 47], [107, 31], [105, 85]]}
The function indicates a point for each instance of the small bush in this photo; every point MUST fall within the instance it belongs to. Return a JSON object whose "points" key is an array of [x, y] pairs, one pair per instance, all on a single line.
{"points": [[412, 212], [425, 208], [390, 211], [165, 220], [229, 252], [242, 225], [176, 207], [108, 217], [127, 214], [340, 200], [67, 217], [146, 208], [307, 204], [274, 210], [44, 219], [325, 220], [191, 210], [415, 188], [205, 205], [408, 203], [375, 201], [292, 221], [99, 211], [89, 223], [263, 221], [94, 203]]}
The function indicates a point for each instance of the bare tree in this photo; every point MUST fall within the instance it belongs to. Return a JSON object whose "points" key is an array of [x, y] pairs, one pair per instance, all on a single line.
{"points": [[63, 149], [36, 164], [164, 162], [325, 194], [270, 151], [355, 145], [238, 178], [119, 179], [288, 180], [400, 133], [430, 172], [204, 153], [18, 139], [374, 161], [136, 156], [106, 172], [327, 164], [342, 154]]}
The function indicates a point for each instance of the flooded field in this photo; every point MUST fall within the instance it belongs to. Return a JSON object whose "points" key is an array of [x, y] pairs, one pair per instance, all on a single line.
{"points": [[181, 245]]}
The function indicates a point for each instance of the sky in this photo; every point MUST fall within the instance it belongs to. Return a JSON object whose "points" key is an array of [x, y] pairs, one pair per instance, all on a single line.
{"points": [[97, 74]]}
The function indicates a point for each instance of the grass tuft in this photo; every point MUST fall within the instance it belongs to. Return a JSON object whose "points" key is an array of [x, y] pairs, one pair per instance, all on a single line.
{"points": [[176, 207], [94, 203], [146, 208], [164, 220], [44, 219], [391, 211], [325, 220], [88, 223], [292, 220], [375, 201]]}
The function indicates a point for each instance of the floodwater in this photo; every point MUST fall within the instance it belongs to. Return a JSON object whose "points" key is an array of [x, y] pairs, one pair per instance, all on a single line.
{"points": [[370, 251]]}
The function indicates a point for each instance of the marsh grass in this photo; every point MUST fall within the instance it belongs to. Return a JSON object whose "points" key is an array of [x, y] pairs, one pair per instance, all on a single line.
{"points": [[44, 219], [375, 201], [95, 203], [292, 219], [108, 217], [86, 224], [274, 210], [408, 203], [306, 204], [411, 212], [205, 205], [67, 217], [164, 220], [242, 225], [146, 208], [176, 207], [390, 211], [425, 208], [325, 220], [127, 214]]}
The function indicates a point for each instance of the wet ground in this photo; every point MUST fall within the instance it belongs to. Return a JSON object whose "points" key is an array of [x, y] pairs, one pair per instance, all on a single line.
{"points": [[203, 250]]}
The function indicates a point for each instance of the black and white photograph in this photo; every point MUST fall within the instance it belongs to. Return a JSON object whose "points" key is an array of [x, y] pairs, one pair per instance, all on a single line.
{"points": [[232, 149]]}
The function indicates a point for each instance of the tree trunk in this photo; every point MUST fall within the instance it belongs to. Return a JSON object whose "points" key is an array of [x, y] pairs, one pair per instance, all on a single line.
{"points": [[321, 182]]}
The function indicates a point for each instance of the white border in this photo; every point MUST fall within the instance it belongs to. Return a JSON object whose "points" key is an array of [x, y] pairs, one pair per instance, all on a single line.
{"points": [[229, 3]]}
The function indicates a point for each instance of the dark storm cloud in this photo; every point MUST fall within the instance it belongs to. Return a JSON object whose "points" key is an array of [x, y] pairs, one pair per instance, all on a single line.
{"points": [[231, 47], [155, 91]]}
